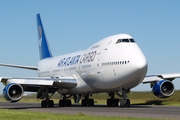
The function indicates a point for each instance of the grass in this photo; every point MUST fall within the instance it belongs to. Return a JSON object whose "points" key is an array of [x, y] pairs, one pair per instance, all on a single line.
{"points": [[147, 98], [29, 115]]}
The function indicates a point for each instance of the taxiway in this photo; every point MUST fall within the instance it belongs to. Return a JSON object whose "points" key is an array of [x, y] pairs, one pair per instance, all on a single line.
{"points": [[140, 111]]}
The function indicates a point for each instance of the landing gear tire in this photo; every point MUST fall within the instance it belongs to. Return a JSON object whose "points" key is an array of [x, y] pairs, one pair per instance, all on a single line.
{"points": [[63, 103], [50, 103], [91, 102], [109, 102], [115, 102], [112, 102], [68, 103], [45, 103], [84, 102], [127, 103], [87, 102], [121, 103]]}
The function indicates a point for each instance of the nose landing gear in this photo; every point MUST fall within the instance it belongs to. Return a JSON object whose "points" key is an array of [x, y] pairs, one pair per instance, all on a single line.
{"points": [[124, 102]]}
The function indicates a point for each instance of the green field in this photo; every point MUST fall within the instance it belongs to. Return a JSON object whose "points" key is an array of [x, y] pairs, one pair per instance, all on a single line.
{"points": [[137, 98], [29, 115]]}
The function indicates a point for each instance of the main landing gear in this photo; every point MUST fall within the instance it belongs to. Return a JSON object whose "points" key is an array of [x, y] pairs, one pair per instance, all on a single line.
{"points": [[124, 102], [47, 102], [86, 101], [65, 101], [43, 93]]}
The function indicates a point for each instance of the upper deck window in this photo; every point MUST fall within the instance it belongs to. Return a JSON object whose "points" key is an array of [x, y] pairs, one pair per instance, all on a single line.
{"points": [[96, 46], [125, 40]]}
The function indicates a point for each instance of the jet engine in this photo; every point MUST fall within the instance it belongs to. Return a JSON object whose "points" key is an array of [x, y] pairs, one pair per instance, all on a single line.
{"points": [[163, 89], [13, 92]]}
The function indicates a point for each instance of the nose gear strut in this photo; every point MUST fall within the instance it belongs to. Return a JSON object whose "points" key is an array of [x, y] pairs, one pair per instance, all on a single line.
{"points": [[123, 102]]}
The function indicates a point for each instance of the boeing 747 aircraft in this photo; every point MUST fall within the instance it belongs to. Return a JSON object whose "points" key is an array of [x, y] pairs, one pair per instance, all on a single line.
{"points": [[113, 65]]}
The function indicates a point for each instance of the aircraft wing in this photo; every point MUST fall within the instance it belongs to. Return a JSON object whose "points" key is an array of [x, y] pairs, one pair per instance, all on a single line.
{"points": [[158, 77], [36, 82], [20, 66]]}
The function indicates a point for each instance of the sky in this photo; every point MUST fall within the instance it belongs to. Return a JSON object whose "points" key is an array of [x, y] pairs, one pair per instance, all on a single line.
{"points": [[75, 25]]}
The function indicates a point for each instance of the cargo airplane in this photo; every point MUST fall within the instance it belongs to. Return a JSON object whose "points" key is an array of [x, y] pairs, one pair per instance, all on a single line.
{"points": [[113, 65]]}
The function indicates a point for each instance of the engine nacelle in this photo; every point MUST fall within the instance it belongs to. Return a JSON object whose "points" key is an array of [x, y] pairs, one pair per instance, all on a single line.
{"points": [[163, 89], [13, 92]]}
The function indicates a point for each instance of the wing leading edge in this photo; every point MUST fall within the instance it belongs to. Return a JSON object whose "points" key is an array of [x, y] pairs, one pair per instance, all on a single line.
{"points": [[158, 77], [20, 66]]}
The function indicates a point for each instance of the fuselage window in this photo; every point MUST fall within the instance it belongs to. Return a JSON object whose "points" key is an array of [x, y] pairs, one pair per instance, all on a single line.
{"points": [[111, 63]]}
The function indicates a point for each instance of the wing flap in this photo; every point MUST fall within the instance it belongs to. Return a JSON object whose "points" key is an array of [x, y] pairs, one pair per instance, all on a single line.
{"points": [[62, 82]]}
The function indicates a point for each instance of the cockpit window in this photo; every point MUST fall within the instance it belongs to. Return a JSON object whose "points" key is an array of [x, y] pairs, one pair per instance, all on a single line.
{"points": [[119, 40], [131, 40], [125, 41]]}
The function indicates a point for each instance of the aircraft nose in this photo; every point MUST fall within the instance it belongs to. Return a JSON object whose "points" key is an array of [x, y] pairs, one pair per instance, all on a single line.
{"points": [[139, 64]]}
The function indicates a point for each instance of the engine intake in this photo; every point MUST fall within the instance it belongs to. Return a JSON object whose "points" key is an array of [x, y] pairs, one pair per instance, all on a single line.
{"points": [[163, 89], [13, 92]]}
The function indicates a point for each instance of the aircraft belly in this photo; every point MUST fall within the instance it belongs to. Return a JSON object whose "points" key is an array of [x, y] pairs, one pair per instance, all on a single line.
{"points": [[92, 83]]}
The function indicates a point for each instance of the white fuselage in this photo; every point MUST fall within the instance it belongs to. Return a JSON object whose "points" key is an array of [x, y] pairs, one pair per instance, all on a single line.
{"points": [[107, 66]]}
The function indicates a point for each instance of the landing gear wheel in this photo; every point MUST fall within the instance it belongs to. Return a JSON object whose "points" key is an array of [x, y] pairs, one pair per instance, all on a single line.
{"points": [[50, 103], [68, 103], [109, 102], [84, 102], [115, 102], [127, 103], [47, 103], [61, 103], [121, 103], [43, 104], [91, 102]]}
